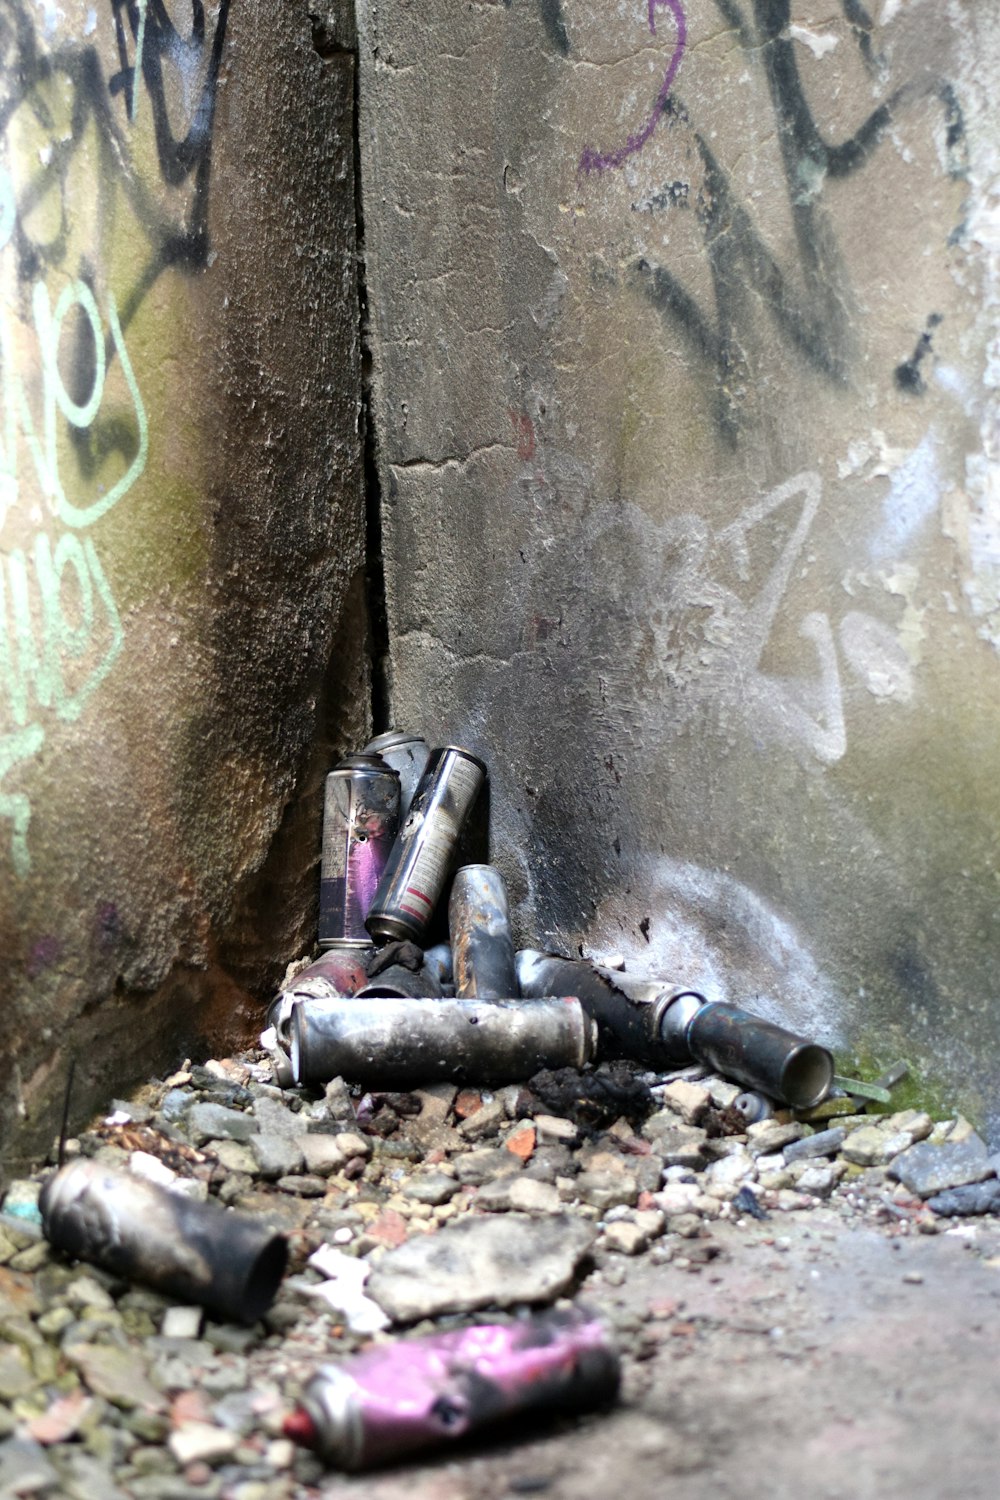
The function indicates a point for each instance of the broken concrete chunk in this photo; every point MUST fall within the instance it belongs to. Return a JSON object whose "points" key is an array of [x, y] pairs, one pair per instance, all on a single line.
{"points": [[606, 1189], [768, 1136], [488, 1162], [432, 1188], [552, 1129], [214, 1122], [823, 1143], [927, 1169], [974, 1198], [321, 1153], [484, 1121], [689, 1100], [276, 1155], [480, 1262]]}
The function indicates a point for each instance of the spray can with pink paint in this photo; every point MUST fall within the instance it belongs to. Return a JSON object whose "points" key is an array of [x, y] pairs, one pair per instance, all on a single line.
{"points": [[360, 821], [396, 1398]]}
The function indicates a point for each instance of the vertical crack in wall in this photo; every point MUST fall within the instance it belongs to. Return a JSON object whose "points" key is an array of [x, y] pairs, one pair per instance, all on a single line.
{"points": [[334, 34]]}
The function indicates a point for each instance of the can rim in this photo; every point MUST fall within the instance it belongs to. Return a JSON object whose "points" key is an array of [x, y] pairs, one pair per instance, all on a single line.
{"points": [[468, 755]]}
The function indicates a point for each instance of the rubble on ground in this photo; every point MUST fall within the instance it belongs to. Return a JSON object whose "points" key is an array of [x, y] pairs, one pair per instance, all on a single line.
{"points": [[399, 1208]]}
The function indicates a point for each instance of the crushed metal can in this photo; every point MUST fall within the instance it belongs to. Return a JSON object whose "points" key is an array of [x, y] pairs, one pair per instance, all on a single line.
{"points": [[360, 823], [420, 859], [395, 1399], [407, 755], [197, 1252], [481, 942], [335, 974], [398, 1042]]}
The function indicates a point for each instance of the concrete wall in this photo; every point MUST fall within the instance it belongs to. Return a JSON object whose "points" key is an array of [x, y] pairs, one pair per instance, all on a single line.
{"points": [[182, 633], [686, 373]]}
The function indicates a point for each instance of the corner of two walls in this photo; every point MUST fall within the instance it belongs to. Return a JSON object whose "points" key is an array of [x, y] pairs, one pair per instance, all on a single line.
{"points": [[182, 596]]}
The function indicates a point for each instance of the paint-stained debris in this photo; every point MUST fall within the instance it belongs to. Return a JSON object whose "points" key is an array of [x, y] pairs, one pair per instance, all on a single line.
{"points": [[420, 1393]]}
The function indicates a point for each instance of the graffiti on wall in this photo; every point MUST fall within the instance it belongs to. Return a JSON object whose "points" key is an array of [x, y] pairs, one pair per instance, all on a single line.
{"points": [[807, 295], [100, 168]]}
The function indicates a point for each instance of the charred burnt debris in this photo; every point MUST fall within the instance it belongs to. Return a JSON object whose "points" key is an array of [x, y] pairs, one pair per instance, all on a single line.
{"points": [[403, 1021]]}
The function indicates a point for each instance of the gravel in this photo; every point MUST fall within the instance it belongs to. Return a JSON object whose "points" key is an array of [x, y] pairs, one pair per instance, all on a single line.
{"points": [[399, 1209]]}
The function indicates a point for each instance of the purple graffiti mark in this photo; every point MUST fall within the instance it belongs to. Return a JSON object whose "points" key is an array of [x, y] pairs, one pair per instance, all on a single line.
{"points": [[43, 955], [107, 924], [598, 161]]}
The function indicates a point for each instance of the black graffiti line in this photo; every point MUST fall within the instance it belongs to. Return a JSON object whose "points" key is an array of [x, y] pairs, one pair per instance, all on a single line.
{"points": [[174, 243], [815, 318]]}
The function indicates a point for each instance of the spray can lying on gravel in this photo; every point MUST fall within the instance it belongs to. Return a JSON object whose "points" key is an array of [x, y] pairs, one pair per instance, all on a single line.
{"points": [[407, 755], [398, 1042], [360, 823], [481, 943], [421, 857], [763, 1057], [665, 1027], [197, 1252], [397, 1398]]}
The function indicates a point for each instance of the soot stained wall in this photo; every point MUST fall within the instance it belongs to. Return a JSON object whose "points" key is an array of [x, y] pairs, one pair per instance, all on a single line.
{"points": [[684, 324], [182, 637]]}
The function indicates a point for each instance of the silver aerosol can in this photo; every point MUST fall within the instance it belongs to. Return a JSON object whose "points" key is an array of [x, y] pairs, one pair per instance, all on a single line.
{"points": [[360, 822], [420, 860]]}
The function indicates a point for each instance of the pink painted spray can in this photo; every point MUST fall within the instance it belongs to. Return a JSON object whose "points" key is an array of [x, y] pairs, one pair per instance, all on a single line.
{"points": [[397, 1398], [360, 821]]}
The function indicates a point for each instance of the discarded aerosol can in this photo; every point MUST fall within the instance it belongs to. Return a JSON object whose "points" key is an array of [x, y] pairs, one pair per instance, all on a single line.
{"points": [[398, 983], [197, 1252], [481, 943], [395, 1043], [439, 960], [407, 755], [397, 1398], [360, 823], [764, 1057], [421, 857], [335, 974], [628, 1011], [753, 1107]]}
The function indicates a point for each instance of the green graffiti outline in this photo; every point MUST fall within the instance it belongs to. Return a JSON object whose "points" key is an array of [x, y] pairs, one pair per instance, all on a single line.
{"points": [[22, 745]]}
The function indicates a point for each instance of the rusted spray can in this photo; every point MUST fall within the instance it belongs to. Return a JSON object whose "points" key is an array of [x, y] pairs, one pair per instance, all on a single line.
{"points": [[421, 857], [481, 942], [396, 1398], [336, 973], [197, 1252], [360, 823], [407, 755], [397, 1042]]}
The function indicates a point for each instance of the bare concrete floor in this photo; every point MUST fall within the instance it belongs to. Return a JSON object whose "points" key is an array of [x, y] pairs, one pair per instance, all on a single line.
{"points": [[813, 1357]]}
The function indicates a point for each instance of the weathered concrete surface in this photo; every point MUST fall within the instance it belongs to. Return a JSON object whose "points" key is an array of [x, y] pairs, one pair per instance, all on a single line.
{"points": [[182, 606], [685, 372]]}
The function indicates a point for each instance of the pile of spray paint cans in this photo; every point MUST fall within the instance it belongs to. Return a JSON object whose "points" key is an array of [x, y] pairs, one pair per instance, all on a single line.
{"points": [[388, 1005]]}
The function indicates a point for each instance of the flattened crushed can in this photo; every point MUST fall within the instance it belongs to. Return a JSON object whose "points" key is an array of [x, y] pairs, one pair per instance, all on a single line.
{"points": [[397, 1398], [197, 1252], [420, 859], [407, 755], [360, 822]]}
